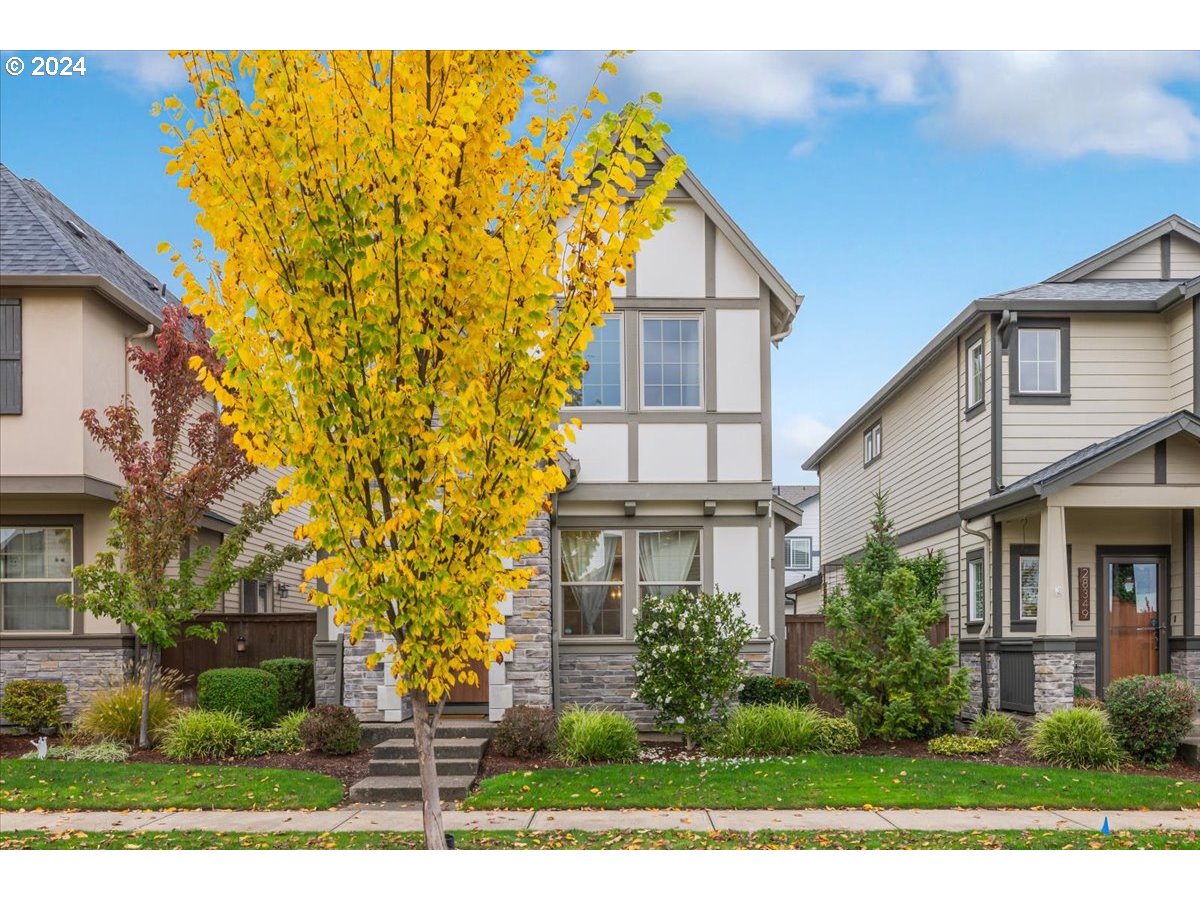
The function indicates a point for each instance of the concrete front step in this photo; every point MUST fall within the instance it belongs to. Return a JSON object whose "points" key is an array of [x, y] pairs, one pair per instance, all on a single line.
{"points": [[378, 732], [407, 788], [411, 767], [1189, 751], [443, 748]]}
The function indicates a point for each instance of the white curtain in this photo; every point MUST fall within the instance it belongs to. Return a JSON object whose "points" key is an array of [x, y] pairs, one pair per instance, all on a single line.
{"points": [[589, 556], [667, 556]]}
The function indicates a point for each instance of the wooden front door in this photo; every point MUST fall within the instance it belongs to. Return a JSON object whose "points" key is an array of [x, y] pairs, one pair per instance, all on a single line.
{"points": [[1135, 605], [473, 694]]}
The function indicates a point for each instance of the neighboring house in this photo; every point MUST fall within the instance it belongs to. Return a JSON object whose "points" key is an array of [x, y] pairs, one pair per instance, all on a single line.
{"points": [[669, 481], [802, 549], [70, 302], [1047, 441]]}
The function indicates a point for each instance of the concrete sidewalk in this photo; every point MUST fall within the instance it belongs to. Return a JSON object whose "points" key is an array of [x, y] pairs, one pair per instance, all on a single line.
{"points": [[374, 819]]}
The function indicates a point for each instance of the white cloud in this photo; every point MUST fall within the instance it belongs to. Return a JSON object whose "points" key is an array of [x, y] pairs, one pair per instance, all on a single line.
{"points": [[141, 71], [1051, 105], [1068, 104], [802, 434]]}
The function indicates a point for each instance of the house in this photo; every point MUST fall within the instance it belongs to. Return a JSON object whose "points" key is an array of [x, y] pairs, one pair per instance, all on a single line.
{"points": [[71, 301], [669, 482], [802, 549], [1047, 441]]}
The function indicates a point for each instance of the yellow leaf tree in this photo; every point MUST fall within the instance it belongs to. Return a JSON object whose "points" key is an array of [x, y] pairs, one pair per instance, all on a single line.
{"points": [[410, 251]]}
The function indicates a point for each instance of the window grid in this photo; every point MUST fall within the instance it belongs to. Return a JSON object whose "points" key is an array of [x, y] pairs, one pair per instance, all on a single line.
{"points": [[36, 565], [1039, 361], [592, 577], [976, 590], [601, 384], [872, 443], [799, 553], [1029, 568], [671, 361]]}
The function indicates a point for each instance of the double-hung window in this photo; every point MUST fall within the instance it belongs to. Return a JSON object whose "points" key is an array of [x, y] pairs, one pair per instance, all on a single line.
{"points": [[976, 589], [671, 361], [35, 568], [975, 374], [256, 596], [592, 575], [872, 443], [1040, 367], [601, 383], [797, 552], [668, 562]]}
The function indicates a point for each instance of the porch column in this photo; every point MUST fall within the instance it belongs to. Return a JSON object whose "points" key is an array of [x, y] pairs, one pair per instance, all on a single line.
{"points": [[1053, 647]]}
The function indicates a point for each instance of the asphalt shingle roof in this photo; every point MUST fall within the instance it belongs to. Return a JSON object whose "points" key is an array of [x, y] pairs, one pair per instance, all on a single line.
{"points": [[796, 494], [1090, 291], [41, 236]]}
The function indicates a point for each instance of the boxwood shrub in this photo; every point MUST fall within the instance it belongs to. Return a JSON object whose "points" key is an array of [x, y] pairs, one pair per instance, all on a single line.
{"points": [[1150, 714], [251, 693], [295, 676], [34, 704], [763, 690]]}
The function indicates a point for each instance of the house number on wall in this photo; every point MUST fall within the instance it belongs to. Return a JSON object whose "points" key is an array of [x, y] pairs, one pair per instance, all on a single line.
{"points": [[1085, 594]]}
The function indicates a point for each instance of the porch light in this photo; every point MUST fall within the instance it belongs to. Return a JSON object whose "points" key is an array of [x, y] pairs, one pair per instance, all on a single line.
{"points": [[281, 590]]}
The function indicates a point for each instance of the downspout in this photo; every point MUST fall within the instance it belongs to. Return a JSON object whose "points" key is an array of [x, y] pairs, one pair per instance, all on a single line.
{"points": [[148, 333], [987, 623]]}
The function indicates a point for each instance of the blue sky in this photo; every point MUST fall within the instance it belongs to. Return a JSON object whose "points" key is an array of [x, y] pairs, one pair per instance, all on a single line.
{"points": [[890, 188]]}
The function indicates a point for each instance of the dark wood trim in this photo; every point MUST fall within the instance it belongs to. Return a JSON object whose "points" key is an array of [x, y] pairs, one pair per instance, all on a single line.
{"points": [[1189, 642], [971, 410], [1189, 572], [997, 580], [1015, 552], [867, 463], [1063, 395], [997, 421], [973, 556], [15, 640], [76, 524], [1160, 462], [1104, 553], [948, 522], [1196, 355], [1164, 256]]}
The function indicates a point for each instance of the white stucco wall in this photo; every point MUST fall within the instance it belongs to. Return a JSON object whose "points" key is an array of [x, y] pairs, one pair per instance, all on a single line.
{"points": [[671, 264], [672, 453], [602, 451], [739, 340], [739, 452], [735, 565]]}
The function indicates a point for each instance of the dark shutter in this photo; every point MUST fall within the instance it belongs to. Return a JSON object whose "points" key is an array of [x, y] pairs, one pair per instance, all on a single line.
{"points": [[10, 355]]}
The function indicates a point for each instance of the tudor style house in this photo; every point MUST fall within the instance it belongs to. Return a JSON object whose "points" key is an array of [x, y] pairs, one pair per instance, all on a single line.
{"points": [[1048, 442], [669, 482], [71, 301]]}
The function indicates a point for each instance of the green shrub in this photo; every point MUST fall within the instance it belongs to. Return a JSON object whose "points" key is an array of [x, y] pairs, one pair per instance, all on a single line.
{"points": [[1077, 738], [251, 693], [283, 737], [876, 659], [204, 734], [996, 726], [688, 665], [1150, 714], [838, 735], [961, 745], [34, 704], [334, 730], [762, 690], [115, 713], [295, 677], [595, 735], [773, 730], [525, 732], [1081, 692], [104, 751]]}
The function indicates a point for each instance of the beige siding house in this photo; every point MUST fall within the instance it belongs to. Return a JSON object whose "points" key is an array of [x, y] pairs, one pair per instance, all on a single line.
{"points": [[70, 302], [1048, 442]]}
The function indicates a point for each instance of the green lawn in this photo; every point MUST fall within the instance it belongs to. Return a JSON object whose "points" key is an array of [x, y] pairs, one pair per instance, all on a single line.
{"points": [[610, 840], [829, 781], [55, 784]]}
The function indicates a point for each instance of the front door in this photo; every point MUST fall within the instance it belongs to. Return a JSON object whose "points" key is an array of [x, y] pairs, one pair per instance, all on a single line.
{"points": [[1135, 605], [472, 694]]}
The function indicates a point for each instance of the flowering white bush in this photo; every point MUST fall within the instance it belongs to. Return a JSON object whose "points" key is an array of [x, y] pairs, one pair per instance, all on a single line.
{"points": [[688, 668]]}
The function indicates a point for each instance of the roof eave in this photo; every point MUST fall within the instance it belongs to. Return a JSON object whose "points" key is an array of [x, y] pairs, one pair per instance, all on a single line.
{"points": [[98, 283], [1172, 223]]}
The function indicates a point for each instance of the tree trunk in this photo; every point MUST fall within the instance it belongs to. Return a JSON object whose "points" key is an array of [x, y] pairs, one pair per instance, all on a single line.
{"points": [[431, 804], [150, 667]]}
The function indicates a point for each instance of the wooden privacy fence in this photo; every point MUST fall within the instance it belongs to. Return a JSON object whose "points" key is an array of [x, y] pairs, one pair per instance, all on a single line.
{"points": [[262, 636], [805, 630]]}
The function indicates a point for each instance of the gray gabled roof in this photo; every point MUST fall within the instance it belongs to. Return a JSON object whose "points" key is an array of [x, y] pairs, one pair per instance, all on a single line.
{"points": [[44, 241], [797, 494], [1086, 462], [1173, 223], [1099, 291]]}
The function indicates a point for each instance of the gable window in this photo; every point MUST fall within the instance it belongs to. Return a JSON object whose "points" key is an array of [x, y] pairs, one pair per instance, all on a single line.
{"points": [[601, 383], [671, 361], [668, 562], [256, 595], [10, 356], [975, 374], [976, 588], [592, 575], [797, 553], [35, 568], [1040, 366], [872, 443]]}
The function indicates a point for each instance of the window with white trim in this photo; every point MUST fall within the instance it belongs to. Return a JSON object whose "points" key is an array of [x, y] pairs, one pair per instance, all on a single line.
{"points": [[256, 595], [671, 361], [975, 374], [1039, 361], [872, 443], [797, 552], [1028, 570], [668, 562], [602, 379], [976, 590], [35, 568], [592, 577]]}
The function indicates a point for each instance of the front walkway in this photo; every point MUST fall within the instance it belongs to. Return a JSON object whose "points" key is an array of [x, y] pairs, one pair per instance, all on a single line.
{"points": [[369, 819]]}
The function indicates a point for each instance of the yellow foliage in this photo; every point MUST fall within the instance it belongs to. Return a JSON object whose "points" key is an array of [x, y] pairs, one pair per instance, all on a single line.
{"points": [[404, 281]]}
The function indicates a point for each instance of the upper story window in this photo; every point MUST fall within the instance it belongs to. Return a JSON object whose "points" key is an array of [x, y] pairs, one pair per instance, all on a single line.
{"points": [[601, 383], [797, 553], [1040, 365], [671, 361], [872, 443], [10, 356], [975, 380], [35, 568]]}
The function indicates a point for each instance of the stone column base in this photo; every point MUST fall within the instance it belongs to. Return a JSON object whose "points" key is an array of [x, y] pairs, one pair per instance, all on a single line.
{"points": [[1186, 664], [1053, 680], [970, 661]]}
